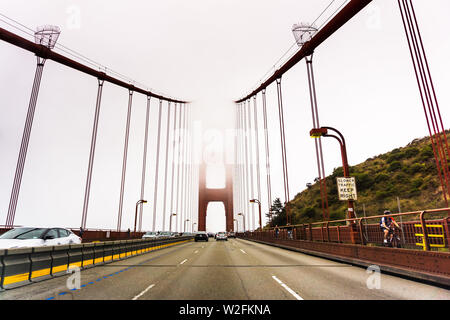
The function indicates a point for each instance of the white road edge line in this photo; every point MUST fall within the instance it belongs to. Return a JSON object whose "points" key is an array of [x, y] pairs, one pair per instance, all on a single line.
{"points": [[243, 251], [143, 292], [287, 288], [183, 261]]}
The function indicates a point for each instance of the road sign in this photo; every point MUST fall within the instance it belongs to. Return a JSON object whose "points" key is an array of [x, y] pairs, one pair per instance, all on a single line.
{"points": [[346, 188]]}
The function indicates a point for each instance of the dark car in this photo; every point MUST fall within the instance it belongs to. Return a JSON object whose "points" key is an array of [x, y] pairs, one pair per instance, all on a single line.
{"points": [[201, 236], [211, 234]]}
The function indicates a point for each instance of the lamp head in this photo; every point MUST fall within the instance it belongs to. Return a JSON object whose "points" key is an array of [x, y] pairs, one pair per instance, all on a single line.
{"points": [[319, 132]]}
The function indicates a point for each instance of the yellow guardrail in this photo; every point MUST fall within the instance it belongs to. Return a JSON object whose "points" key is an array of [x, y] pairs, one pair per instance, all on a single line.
{"points": [[442, 236]]}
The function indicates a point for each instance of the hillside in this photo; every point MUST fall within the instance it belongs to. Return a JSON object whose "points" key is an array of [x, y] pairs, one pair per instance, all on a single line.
{"points": [[408, 173]]}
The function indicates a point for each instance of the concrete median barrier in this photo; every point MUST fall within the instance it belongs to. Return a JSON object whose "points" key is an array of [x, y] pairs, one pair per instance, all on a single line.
{"points": [[41, 263], [116, 250], [2, 253], [76, 255], [17, 267], [60, 260], [108, 251], [123, 249], [88, 255], [99, 253]]}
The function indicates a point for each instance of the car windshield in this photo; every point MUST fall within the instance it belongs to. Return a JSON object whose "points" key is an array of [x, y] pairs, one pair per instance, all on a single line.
{"points": [[222, 233], [23, 233], [151, 233], [166, 233]]}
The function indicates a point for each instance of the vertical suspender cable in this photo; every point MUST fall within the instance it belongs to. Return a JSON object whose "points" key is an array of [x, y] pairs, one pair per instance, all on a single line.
{"points": [[417, 53], [283, 150], [246, 173], [165, 168], [155, 196], [87, 189], [266, 136], [180, 130], [185, 143], [124, 162], [252, 194], [144, 160], [24, 144], [258, 171], [318, 141], [237, 189], [173, 162]]}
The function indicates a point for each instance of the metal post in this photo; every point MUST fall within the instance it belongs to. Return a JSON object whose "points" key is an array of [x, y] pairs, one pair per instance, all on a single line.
{"points": [[136, 213], [87, 189], [124, 163]]}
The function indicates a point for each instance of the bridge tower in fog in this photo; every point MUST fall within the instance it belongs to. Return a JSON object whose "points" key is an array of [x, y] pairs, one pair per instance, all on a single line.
{"points": [[207, 195]]}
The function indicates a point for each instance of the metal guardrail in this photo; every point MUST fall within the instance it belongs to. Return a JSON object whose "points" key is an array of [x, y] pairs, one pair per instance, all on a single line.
{"points": [[416, 233], [19, 267]]}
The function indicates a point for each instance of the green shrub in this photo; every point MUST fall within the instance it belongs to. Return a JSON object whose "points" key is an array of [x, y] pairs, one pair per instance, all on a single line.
{"points": [[411, 152], [426, 153], [415, 168], [394, 166], [416, 183], [363, 181], [395, 157], [381, 177], [308, 212]]}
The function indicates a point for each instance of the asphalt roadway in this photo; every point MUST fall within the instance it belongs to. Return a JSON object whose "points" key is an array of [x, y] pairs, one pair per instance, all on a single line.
{"points": [[227, 270]]}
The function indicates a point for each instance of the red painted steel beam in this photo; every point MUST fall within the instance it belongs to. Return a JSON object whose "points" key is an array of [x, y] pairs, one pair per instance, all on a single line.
{"points": [[46, 53], [348, 12]]}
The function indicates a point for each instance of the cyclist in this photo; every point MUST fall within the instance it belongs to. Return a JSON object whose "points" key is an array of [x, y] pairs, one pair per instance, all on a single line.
{"points": [[385, 224]]}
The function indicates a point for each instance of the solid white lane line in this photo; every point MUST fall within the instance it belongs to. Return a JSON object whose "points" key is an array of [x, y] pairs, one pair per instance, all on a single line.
{"points": [[287, 288], [183, 261], [243, 251], [143, 292]]}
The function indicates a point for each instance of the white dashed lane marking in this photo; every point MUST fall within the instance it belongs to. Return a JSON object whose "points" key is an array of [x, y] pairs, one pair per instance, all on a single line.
{"points": [[287, 288], [143, 292]]}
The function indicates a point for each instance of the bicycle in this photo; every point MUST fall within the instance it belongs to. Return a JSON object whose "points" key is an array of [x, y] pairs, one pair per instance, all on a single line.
{"points": [[393, 238]]}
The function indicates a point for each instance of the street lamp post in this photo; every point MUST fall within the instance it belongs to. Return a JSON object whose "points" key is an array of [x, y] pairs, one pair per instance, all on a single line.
{"points": [[259, 206], [170, 227], [185, 224], [323, 132], [193, 226], [237, 225], [243, 219], [135, 216]]}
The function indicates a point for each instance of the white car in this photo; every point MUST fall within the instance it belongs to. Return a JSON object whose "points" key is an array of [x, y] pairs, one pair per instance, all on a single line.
{"points": [[167, 234], [151, 235], [37, 237], [222, 235]]}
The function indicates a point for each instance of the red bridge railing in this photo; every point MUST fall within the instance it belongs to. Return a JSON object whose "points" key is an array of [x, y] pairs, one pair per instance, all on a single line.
{"points": [[425, 230]]}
